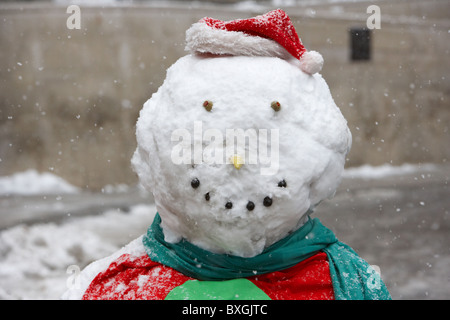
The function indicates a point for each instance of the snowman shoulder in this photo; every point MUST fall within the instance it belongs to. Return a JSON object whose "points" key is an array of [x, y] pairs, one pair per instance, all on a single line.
{"points": [[88, 274]]}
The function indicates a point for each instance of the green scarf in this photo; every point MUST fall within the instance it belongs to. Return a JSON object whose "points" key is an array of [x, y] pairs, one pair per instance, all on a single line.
{"points": [[352, 277]]}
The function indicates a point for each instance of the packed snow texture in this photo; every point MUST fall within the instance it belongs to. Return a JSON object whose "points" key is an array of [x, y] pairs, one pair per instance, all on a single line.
{"points": [[307, 140]]}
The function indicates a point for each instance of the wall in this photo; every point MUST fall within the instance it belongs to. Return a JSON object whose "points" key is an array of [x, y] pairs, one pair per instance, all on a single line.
{"points": [[69, 99]]}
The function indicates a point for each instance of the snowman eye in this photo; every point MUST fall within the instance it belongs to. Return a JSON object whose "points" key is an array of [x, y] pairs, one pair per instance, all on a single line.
{"points": [[275, 105], [282, 184], [229, 205], [208, 105]]}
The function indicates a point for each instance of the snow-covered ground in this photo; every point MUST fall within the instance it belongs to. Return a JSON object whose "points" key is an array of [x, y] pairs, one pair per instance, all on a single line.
{"points": [[395, 217], [37, 261]]}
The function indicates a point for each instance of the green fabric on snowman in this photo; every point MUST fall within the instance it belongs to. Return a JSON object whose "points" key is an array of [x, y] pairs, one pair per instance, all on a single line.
{"points": [[353, 278], [217, 290]]}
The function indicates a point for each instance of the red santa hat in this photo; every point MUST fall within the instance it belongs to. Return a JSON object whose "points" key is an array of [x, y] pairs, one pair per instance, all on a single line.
{"points": [[271, 34]]}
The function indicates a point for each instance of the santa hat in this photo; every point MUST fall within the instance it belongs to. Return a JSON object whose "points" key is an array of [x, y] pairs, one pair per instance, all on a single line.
{"points": [[271, 34]]}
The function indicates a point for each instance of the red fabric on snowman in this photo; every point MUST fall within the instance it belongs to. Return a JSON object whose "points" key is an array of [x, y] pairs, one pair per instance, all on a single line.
{"points": [[139, 278], [263, 35], [275, 25]]}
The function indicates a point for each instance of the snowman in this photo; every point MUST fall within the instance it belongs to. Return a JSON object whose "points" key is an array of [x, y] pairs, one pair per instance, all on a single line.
{"points": [[238, 146]]}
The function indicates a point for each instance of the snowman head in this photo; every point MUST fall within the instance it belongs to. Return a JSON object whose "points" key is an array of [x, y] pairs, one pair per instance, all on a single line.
{"points": [[238, 150]]}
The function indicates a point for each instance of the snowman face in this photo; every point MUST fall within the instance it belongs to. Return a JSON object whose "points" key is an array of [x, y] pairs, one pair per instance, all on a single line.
{"points": [[236, 150]]}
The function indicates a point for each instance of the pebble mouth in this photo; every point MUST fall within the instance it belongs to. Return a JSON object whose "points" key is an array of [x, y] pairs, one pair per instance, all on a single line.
{"points": [[267, 202]]}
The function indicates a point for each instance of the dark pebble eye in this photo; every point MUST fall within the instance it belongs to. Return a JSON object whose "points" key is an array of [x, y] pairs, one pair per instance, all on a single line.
{"points": [[229, 205], [195, 183], [207, 196], [250, 206], [267, 201], [282, 184]]}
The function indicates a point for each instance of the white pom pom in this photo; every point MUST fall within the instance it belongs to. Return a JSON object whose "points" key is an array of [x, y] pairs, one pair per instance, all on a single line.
{"points": [[311, 62]]}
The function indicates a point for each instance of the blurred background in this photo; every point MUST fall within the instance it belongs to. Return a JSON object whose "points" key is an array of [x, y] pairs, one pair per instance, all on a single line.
{"points": [[70, 98]]}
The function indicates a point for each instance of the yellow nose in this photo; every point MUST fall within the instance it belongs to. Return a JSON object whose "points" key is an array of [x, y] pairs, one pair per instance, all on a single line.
{"points": [[237, 161]]}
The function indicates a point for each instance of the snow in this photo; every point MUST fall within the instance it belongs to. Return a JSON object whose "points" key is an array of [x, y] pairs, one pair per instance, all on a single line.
{"points": [[75, 289], [307, 140], [36, 259], [385, 170], [31, 182]]}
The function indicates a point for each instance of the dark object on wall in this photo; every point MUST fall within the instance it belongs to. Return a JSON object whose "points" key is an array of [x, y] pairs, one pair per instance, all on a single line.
{"points": [[360, 43]]}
